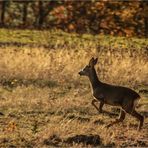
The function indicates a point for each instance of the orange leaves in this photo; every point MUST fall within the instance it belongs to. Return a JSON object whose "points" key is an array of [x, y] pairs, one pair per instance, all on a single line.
{"points": [[60, 12], [104, 24], [10, 127], [71, 27], [129, 32], [103, 16], [99, 5]]}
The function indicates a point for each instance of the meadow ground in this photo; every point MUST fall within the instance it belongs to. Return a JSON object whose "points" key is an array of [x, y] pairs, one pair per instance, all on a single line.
{"points": [[44, 102]]}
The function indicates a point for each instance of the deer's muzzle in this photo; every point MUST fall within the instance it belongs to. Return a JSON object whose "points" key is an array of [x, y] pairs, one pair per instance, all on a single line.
{"points": [[81, 73]]}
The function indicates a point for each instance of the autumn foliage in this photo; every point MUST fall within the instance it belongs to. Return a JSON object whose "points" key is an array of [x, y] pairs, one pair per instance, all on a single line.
{"points": [[123, 18]]}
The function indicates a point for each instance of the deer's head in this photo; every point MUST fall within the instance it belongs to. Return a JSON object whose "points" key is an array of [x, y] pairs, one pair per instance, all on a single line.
{"points": [[86, 71]]}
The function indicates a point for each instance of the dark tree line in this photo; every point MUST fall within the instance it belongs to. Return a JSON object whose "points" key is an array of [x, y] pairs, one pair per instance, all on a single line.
{"points": [[124, 18]]}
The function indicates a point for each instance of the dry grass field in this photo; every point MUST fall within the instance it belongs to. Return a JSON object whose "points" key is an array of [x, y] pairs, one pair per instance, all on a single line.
{"points": [[45, 103]]}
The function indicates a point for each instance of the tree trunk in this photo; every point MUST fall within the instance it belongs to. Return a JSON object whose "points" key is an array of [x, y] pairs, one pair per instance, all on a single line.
{"points": [[146, 19], [3, 10], [25, 13], [146, 27], [41, 14], [44, 9]]}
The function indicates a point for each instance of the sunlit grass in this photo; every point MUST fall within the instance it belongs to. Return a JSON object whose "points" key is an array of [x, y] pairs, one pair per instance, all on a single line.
{"points": [[44, 101]]}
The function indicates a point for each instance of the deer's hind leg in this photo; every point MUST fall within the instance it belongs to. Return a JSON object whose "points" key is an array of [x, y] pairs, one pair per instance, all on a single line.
{"points": [[130, 108], [135, 114], [120, 119], [139, 117]]}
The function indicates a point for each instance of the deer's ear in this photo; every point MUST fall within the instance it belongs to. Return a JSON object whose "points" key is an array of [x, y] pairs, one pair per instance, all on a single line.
{"points": [[95, 61], [91, 61]]}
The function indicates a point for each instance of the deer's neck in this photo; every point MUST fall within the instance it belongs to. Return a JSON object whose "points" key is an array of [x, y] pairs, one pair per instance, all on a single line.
{"points": [[94, 79]]}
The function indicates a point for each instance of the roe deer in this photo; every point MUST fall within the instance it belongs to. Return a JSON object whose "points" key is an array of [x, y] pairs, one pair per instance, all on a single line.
{"points": [[120, 96]]}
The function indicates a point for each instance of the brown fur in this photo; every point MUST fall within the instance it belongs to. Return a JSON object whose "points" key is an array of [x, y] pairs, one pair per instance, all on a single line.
{"points": [[123, 97]]}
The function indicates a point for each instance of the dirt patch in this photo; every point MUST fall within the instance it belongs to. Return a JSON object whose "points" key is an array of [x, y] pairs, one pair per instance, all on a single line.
{"points": [[54, 140], [93, 140]]}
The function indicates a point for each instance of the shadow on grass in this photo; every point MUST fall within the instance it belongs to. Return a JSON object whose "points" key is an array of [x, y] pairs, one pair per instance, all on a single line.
{"points": [[51, 46], [12, 83], [54, 140], [93, 140], [84, 141], [21, 44]]}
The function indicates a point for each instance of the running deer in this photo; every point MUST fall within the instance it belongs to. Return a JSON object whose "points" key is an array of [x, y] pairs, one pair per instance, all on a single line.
{"points": [[120, 96]]}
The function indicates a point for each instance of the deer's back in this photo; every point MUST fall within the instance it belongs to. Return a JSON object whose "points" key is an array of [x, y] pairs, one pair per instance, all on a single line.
{"points": [[114, 95]]}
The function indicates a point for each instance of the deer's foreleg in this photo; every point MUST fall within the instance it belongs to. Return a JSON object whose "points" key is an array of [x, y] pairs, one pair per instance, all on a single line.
{"points": [[100, 107]]}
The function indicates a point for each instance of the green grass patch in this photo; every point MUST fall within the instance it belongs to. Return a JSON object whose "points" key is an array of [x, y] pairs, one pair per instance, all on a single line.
{"points": [[56, 38]]}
